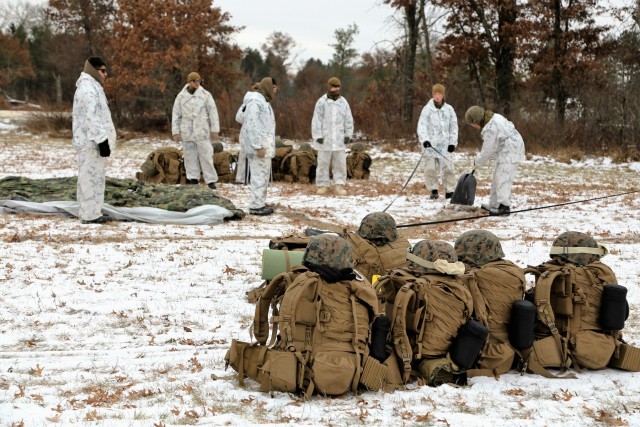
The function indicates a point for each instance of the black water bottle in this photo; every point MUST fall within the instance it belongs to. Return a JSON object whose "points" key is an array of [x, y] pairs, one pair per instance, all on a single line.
{"points": [[379, 331], [613, 308], [522, 324], [467, 345]]}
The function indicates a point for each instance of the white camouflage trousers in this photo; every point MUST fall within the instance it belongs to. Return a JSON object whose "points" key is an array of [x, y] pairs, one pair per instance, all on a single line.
{"points": [[260, 169], [198, 157], [337, 160], [432, 167], [503, 176], [91, 182]]}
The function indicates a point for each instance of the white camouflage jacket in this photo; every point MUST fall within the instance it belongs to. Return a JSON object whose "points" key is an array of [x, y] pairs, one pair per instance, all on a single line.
{"points": [[91, 118], [439, 126], [258, 125], [500, 141], [332, 121], [194, 116]]}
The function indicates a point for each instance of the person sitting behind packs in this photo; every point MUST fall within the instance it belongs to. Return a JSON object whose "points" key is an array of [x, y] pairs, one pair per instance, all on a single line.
{"points": [[376, 246], [195, 123], [500, 283], [502, 142]]}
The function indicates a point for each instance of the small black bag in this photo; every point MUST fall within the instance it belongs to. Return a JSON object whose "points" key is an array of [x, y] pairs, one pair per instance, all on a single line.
{"points": [[613, 308], [465, 192], [467, 345], [522, 324], [379, 331]]}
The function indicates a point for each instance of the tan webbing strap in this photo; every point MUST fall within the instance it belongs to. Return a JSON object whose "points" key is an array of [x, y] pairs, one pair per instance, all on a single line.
{"points": [[354, 342], [566, 250], [542, 298], [399, 328], [479, 301]]}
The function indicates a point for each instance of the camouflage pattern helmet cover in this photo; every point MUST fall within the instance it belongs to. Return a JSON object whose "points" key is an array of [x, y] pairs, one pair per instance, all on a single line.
{"points": [[218, 147], [478, 247], [330, 250], [474, 114], [358, 146], [574, 239], [378, 226], [432, 250]]}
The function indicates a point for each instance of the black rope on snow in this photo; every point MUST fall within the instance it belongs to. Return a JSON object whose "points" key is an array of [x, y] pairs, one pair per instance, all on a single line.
{"points": [[406, 183], [517, 211]]}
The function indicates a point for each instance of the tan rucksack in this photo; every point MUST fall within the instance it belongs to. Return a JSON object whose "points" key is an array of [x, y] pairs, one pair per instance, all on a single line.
{"points": [[318, 339], [223, 162], [358, 165], [371, 260], [281, 152], [299, 166], [494, 288], [426, 312], [568, 299], [163, 166]]}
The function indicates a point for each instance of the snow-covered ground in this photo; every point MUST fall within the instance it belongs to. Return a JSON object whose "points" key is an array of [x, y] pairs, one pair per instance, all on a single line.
{"points": [[128, 323]]}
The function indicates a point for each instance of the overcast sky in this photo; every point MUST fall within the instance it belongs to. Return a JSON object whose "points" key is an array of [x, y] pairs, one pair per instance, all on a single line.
{"points": [[312, 24]]}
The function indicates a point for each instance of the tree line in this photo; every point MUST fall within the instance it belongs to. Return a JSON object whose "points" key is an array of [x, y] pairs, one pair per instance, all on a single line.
{"points": [[563, 75]]}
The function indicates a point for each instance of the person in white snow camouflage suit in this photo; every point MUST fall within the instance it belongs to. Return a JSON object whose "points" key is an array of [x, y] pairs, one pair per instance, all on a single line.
{"points": [[502, 142], [331, 130], [94, 138], [195, 122], [438, 133], [258, 137]]}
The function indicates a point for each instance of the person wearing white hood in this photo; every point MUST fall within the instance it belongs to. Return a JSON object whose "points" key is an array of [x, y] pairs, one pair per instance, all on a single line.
{"points": [[94, 138], [258, 137], [242, 165]]}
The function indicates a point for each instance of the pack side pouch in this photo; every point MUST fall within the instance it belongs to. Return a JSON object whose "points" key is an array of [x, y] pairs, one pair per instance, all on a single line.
{"points": [[173, 171], [333, 371], [245, 358], [628, 358], [593, 350], [373, 374], [467, 345], [497, 356], [280, 371], [562, 297], [149, 168], [547, 353]]}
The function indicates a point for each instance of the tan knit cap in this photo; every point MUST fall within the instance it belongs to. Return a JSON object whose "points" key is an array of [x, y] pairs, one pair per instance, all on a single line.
{"points": [[193, 76], [437, 88]]}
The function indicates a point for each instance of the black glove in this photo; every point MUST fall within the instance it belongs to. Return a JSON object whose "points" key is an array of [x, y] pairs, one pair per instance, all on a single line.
{"points": [[105, 151], [347, 139], [451, 148], [320, 140], [426, 144]]}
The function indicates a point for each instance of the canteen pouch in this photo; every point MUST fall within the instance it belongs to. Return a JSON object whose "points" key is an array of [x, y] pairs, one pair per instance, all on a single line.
{"points": [[467, 345], [593, 350], [522, 324], [334, 371], [613, 308], [280, 371]]}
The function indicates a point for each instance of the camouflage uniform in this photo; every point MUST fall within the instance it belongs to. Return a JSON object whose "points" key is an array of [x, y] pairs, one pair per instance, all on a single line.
{"points": [[259, 132], [502, 142], [332, 121], [242, 169], [92, 125], [575, 239], [328, 250], [439, 126], [194, 118]]}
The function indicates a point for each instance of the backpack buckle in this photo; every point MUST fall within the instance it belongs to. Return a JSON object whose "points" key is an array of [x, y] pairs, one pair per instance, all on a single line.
{"points": [[325, 316]]}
